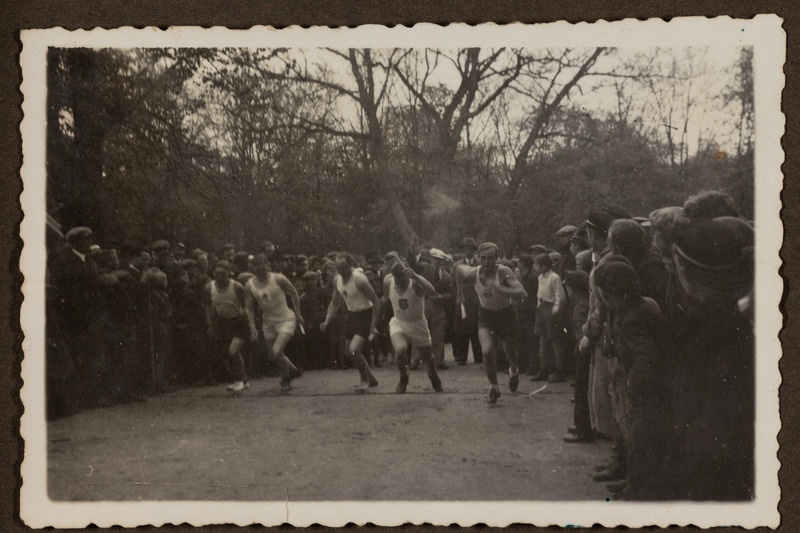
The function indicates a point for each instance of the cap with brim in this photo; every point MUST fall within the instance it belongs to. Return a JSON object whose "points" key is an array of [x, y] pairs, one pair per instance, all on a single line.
{"points": [[537, 249], [617, 277], [600, 221], [577, 279], [78, 232], [566, 231], [710, 244], [469, 242], [438, 254], [667, 219], [616, 211], [160, 245]]}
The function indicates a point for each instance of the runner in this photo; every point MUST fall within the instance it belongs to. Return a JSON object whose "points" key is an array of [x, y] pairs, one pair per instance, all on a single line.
{"points": [[496, 285], [407, 290], [363, 311], [278, 322], [227, 325]]}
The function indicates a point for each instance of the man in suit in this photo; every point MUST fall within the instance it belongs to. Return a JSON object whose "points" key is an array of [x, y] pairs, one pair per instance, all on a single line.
{"points": [[435, 309], [74, 273], [466, 312]]}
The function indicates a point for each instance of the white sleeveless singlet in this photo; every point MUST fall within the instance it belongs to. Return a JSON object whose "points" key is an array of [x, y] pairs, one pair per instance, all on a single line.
{"points": [[353, 298], [409, 306], [225, 303], [271, 299], [489, 295]]}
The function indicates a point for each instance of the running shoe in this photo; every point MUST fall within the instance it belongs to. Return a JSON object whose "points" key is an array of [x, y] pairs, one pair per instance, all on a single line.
{"points": [[401, 385], [373, 382], [436, 382], [513, 383], [362, 386], [238, 386], [246, 384], [494, 394], [286, 385], [296, 373]]}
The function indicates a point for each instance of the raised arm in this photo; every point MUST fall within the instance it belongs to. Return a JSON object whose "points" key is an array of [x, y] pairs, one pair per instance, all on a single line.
{"points": [[510, 285], [289, 288], [363, 285], [424, 285]]}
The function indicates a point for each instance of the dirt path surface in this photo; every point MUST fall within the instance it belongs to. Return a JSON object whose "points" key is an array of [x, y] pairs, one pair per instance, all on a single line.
{"points": [[324, 442]]}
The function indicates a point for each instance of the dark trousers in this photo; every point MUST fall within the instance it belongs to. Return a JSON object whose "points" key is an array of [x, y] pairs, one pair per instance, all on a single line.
{"points": [[581, 413], [466, 333]]}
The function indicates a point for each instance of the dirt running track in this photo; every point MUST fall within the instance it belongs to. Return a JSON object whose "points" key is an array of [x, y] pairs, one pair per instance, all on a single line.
{"points": [[323, 442]]}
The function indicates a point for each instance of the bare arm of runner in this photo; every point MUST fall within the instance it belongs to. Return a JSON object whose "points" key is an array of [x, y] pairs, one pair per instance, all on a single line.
{"points": [[333, 307], [423, 284], [209, 308], [250, 312], [362, 284], [289, 288], [510, 285]]}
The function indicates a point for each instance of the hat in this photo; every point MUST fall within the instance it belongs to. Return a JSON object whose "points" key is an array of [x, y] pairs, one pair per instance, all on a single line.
{"points": [[710, 244], [600, 221], [577, 279], [617, 277], [615, 211], [438, 254], [489, 246], [180, 245], [160, 245], [469, 242], [566, 231], [537, 249], [78, 232], [555, 257], [667, 219]]}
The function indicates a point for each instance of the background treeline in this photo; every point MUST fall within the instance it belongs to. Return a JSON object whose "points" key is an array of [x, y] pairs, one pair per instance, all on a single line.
{"points": [[364, 149]]}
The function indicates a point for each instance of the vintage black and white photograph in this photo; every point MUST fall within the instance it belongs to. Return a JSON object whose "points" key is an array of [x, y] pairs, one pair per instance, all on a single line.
{"points": [[454, 275]]}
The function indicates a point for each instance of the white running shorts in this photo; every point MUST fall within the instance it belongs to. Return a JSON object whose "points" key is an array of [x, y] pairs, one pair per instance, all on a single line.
{"points": [[417, 332]]}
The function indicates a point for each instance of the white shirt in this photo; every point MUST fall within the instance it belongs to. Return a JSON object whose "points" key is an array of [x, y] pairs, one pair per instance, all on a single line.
{"points": [[551, 290]]}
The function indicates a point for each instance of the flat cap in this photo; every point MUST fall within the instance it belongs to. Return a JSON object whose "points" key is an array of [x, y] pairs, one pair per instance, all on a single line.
{"points": [[566, 231], [616, 211], [667, 219], [438, 254], [537, 249], [78, 232], [617, 277], [160, 244], [469, 242]]}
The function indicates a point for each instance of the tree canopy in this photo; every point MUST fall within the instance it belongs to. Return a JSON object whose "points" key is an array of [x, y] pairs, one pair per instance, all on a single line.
{"points": [[364, 149]]}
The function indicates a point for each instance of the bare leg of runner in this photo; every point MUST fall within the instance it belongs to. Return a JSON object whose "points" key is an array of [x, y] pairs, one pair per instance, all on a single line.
{"points": [[237, 365], [356, 351], [401, 349], [426, 354], [512, 354], [285, 367], [489, 362]]}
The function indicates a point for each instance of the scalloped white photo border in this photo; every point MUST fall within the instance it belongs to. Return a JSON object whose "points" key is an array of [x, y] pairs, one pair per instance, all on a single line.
{"points": [[763, 32]]}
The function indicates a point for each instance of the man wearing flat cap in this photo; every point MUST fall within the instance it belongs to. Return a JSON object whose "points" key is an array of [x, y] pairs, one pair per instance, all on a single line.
{"points": [[466, 311], [74, 274], [435, 307], [563, 236]]}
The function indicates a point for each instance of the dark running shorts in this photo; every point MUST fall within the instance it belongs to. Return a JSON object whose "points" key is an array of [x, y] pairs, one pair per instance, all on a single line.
{"points": [[227, 329], [358, 323], [502, 323]]}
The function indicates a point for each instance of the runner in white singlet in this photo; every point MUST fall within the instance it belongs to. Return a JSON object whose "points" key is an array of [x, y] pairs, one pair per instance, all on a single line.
{"points": [[227, 326], [496, 285], [269, 290], [406, 290], [363, 310]]}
